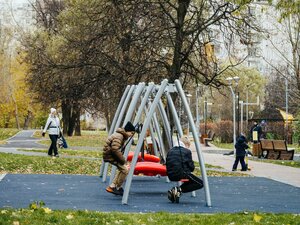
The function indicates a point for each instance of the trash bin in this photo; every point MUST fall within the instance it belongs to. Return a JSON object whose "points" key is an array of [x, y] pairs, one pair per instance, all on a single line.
{"points": [[202, 138], [256, 149]]}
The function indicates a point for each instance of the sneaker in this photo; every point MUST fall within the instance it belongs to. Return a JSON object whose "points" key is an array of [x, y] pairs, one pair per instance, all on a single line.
{"points": [[56, 155], [176, 193], [233, 169], [121, 190], [113, 190], [170, 196]]}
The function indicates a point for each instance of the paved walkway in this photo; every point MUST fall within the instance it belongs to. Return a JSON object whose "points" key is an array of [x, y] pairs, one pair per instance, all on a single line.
{"points": [[261, 192], [285, 174]]}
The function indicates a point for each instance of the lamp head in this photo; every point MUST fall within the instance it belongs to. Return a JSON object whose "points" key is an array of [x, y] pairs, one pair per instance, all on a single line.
{"points": [[236, 79], [229, 79]]}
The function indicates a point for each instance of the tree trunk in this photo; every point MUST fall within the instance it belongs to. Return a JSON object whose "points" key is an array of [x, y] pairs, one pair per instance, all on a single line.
{"points": [[179, 38], [27, 120], [71, 123], [16, 112], [76, 115], [66, 115], [6, 121], [108, 120]]}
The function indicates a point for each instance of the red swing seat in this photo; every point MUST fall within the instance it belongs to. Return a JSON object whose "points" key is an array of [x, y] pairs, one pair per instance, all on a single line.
{"points": [[150, 169], [147, 157]]}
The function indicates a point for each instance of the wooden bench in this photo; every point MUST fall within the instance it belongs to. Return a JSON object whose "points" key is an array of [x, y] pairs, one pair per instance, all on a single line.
{"points": [[209, 138], [276, 149]]}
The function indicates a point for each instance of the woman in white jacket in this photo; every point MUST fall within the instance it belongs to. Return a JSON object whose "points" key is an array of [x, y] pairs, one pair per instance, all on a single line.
{"points": [[53, 128]]}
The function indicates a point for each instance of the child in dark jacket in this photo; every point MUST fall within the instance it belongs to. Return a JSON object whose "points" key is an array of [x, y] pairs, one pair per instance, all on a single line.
{"points": [[240, 154]]}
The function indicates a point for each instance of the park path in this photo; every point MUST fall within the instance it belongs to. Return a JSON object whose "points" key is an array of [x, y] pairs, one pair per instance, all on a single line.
{"points": [[25, 140], [212, 155], [284, 174]]}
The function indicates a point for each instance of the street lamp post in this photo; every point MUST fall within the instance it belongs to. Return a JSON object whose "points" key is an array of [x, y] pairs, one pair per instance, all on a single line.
{"points": [[247, 101], [230, 82], [189, 102], [286, 109], [197, 111]]}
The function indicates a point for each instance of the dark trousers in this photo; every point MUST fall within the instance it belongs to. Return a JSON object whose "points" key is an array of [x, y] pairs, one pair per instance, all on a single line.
{"points": [[193, 183], [240, 159], [53, 146]]}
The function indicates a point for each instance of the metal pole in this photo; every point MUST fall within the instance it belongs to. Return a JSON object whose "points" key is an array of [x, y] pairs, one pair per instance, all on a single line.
{"points": [[196, 140], [242, 106], [233, 109], [112, 126], [128, 117], [205, 115], [118, 122], [174, 114], [286, 108], [247, 108], [141, 141], [197, 111], [238, 110], [140, 111]]}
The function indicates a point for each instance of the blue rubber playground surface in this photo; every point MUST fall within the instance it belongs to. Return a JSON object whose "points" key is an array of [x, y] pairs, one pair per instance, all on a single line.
{"points": [[148, 194]]}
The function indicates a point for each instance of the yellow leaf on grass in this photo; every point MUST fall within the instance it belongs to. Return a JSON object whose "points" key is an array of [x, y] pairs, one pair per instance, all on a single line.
{"points": [[47, 210], [256, 218], [70, 216], [16, 223]]}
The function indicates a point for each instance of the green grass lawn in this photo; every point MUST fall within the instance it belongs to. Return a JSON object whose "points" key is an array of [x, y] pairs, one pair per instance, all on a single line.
{"points": [[44, 215], [11, 163], [87, 138], [67, 152], [7, 133], [295, 164]]}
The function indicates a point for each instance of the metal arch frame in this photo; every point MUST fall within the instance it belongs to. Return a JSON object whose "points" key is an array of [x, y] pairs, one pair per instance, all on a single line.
{"points": [[151, 120], [104, 166], [140, 141], [135, 98]]}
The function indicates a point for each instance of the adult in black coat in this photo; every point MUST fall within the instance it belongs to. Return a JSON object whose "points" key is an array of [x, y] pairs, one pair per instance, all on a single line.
{"points": [[240, 151], [255, 132], [180, 166]]}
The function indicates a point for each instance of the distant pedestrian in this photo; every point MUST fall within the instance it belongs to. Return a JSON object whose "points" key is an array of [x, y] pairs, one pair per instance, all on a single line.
{"points": [[255, 132], [180, 165], [54, 131], [113, 153], [240, 148]]}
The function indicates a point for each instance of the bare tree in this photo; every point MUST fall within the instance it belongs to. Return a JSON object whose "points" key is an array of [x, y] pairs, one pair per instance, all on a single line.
{"points": [[96, 48]]}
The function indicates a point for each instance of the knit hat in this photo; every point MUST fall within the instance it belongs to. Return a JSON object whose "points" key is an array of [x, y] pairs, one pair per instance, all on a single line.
{"points": [[52, 110], [129, 127]]}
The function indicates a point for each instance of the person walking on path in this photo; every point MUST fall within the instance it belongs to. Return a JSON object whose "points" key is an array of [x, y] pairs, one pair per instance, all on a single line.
{"points": [[240, 148], [53, 128], [113, 153], [180, 165]]}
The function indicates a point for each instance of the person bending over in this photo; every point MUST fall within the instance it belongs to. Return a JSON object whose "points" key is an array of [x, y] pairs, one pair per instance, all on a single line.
{"points": [[180, 166], [112, 153]]}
